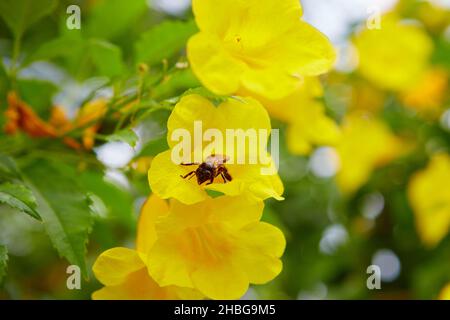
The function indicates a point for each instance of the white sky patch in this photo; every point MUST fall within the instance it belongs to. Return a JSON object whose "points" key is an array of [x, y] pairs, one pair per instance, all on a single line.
{"points": [[373, 205], [319, 292], [73, 94], [115, 154], [333, 237], [173, 7], [335, 17], [441, 3], [324, 162], [389, 264], [445, 120], [118, 178]]}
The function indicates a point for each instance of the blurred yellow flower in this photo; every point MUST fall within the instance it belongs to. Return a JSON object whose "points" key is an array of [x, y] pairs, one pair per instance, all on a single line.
{"points": [[365, 96], [435, 17], [262, 46], [89, 117], [367, 143], [302, 110], [395, 56], [429, 195], [445, 293], [234, 113], [217, 246], [124, 272], [142, 164], [427, 96]]}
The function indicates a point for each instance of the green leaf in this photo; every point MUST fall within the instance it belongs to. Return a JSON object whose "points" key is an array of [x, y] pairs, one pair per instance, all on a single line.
{"points": [[112, 17], [153, 147], [107, 57], [3, 82], [3, 261], [118, 202], [64, 208], [19, 15], [67, 45], [125, 135], [19, 197], [163, 41], [8, 169], [441, 54], [38, 94], [176, 82]]}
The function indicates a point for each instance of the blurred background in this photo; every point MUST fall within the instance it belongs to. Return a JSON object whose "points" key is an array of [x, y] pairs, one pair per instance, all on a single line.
{"points": [[347, 206]]}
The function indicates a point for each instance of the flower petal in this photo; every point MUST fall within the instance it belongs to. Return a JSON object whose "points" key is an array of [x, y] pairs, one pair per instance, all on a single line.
{"points": [[247, 16], [140, 286], [261, 246], [221, 281], [243, 113], [271, 82], [166, 260], [304, 50], [166, 182], [236, 212], [251, 181], [152, 209], [114, 265], [213, 65]]}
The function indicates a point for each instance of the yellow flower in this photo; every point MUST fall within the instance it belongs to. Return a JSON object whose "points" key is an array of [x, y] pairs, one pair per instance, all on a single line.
{"points": [[366, 144], [365, 96], [90, 115], [435, 17], [217, 246], [302, 110], [261, 46], [247, 178], [124, 272], [428, 95], [429, 196], [394, 56], [445, 293]]}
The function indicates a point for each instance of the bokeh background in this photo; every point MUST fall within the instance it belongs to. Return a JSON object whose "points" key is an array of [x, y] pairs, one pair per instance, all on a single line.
{"points": [[332, 235]]}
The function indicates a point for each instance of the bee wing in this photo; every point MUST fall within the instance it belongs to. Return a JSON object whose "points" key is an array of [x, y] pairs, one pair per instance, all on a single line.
{"points": [[217, 159]]}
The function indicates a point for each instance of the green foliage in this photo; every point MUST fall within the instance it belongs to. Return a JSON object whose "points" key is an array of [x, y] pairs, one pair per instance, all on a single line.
{"points": [[163, 41], [107, 57], [118, 201], [64, 208], [110, 18], [19, 15], [19, 197], [153, 147], [67, 191], [125, 135], [13, 192], [37, 93], [3, 261], [65, 45], [8, 169]]}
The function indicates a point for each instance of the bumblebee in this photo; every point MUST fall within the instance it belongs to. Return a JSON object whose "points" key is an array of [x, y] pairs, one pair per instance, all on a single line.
{"points": [[212, 167]]}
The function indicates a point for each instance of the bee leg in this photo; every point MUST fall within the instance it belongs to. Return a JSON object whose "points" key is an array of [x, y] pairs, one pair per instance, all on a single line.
{"points": [[190, 164], [225, 175], [210, 181], [187, 175]]}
